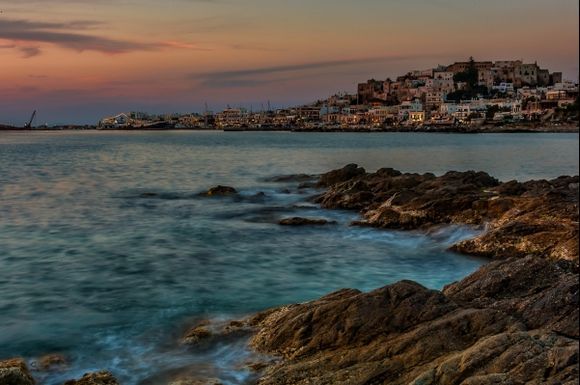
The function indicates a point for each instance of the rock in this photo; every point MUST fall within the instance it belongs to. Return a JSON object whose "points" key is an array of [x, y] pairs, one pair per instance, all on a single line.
{"points": [[348, 317], [542, 293], [388, 172], [97, 378], [298, 221], [514, 321], [51, 362], [306, 185], [292, 178], [258, 366], [220, 191], [196, 381], [216, 331], [539, 217], [148, 195], [346, 173], [198, 333], [511, 188], [407, 334], [15, 372]]}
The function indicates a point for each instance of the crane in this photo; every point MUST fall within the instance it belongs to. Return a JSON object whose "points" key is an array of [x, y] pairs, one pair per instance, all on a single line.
{"points": [[29, 124]]}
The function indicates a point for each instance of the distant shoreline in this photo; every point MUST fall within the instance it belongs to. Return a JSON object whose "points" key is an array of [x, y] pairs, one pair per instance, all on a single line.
{"points": [[507, 128]]}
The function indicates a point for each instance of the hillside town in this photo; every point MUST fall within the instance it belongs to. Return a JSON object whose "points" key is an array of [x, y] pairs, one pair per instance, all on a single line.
{"points": [[463, 94]]}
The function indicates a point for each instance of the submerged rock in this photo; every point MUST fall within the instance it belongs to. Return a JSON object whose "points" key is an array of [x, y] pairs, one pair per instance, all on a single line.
{"points": [[51, 362], [220, 191], [292, 178], [299, 221], [215, 331], [15, 372], [97, 378]]}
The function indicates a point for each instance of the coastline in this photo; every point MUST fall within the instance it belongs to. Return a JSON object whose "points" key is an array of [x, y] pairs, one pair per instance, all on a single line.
{"points": [[462, 129], [477, 330], [515, 320]]}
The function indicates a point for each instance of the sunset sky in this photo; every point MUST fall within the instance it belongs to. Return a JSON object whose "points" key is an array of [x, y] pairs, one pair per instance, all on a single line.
{"points": [[78, 60]]}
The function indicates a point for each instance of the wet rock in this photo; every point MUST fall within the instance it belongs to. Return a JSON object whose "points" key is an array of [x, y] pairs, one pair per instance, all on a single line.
{"points": [[97, 378], [388, 172], [292, 178], [336, 176], [15, 372], [196, 381], [207, 331], [51, 362], [220, 191], [258, 366], [514, 321], [259, 197], [198, 333], [538, 217], [299, 221], [512, 187], [306, 185], [148, 195]]}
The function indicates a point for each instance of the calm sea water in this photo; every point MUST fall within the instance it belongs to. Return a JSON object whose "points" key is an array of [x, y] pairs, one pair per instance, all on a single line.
{"points": [[92, 268]]}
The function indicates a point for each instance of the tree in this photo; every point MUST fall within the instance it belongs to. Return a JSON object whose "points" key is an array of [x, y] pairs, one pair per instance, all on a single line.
{"points": [[469, 76], [491, 111]]}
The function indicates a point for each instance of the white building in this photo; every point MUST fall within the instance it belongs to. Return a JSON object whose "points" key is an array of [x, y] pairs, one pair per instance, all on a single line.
{"points": [[408, 106], [504, 87]]}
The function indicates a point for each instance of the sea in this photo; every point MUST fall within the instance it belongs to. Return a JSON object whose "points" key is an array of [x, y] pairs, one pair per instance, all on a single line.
{"points": [[108, 253]]}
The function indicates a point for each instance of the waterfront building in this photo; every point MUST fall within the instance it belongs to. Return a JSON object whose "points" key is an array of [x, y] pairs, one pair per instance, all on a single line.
{"points": [[232, 117]]}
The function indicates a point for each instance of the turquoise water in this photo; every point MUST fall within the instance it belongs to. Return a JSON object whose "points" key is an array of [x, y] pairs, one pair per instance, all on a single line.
{"points": [[92, 267]]}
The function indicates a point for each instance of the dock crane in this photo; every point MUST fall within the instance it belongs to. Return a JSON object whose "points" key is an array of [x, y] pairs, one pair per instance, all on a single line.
{"points": [[29, 124]]}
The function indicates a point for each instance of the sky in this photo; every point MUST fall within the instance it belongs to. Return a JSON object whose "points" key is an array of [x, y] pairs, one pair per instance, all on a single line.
{"points": [[76, 61]]}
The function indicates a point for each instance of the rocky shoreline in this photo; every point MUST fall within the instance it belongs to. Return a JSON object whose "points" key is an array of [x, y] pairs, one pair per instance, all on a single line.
{"points": [[514, 321]]}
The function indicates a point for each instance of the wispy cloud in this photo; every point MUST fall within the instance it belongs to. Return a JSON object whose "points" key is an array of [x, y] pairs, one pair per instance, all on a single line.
{"points": [[29, 51], [26, 51], [263, 75], [26, 35]]}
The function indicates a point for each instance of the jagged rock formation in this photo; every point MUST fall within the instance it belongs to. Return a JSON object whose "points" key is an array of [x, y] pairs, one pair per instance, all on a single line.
{"points": [[514, 321], [535, 217], [495, 330]]}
